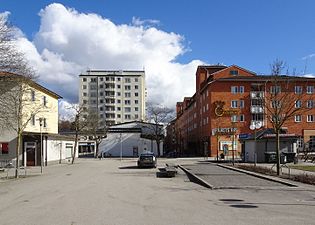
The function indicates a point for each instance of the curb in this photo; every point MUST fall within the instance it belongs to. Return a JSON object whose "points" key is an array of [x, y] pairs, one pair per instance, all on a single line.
{"points": [[194, 178], [259, 175]]}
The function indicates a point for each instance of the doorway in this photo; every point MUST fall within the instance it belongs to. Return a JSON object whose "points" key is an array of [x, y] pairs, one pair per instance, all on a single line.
{"points": [[30, 149]]}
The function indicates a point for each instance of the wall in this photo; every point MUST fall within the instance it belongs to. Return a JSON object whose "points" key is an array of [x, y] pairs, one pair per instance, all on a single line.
{"points": [[112, 144]]}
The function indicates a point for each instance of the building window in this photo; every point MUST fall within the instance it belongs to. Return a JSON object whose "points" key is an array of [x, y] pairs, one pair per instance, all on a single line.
{"points": [[127, 95], [84, 94], [136, 101], [275, 89], [118, 86], [101, 93], [234, 118], [101, 79], [127, 87], [93, 94], [241, 90], [44, 100], [234, 72], [93, 79], [234, 89], [127, 102], [298, 104], [118, 116], [4, 148], [136, 116], [310, 118], [33, 95], [136, 87], [101, 86], [136, 109], [84, 86], [136, 79], [127, 109], [101, 108], [101, 101], [242, 118], [127, 117], [312, 143], [118, 108], [275, 104], [93, 87], [234, 104], [45, 122], [136, 94], [241, 103], [310, 104], [84, 79], [298, 89], [297, 118], [84, 101], [207, 107], [310, 89], [127, 80], [118, 93], [118, 78]]}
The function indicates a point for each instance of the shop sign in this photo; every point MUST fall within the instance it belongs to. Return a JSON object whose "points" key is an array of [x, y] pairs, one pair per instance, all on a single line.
{"points": [[220, 111], [224, 130]]}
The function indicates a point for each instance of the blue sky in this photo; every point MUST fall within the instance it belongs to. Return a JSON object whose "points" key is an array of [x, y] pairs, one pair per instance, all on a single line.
{"points": [[251, 34], [245, 32]]}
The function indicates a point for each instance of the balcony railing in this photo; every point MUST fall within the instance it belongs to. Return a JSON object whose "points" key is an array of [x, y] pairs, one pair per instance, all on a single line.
{"points": [[256, 109], [256, 94]]}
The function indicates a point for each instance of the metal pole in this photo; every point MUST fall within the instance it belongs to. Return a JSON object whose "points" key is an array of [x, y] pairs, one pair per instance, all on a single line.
{"points": [[255, 155], [120, 146], [41, 146]]}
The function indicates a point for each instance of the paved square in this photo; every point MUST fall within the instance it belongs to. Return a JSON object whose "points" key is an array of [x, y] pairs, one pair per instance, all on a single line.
{"points": [[117, 193]]}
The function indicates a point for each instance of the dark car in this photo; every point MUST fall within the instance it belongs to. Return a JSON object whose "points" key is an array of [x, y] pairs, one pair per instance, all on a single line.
{"points": [[147, 159]]}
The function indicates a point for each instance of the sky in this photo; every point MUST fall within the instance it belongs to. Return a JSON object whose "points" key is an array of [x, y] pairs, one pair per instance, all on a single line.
{"points": [[167, 38]]}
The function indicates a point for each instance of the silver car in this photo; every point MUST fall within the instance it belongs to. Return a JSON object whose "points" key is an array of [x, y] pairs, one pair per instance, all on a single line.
{"points": [[147, 159]]}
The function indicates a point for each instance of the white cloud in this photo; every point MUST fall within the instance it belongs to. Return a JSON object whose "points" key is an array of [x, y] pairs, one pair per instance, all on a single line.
{"points": [[68, 42], [148, 22], [308, 57]]}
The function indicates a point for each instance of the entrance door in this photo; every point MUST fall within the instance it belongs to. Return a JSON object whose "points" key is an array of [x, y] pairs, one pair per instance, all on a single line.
{"points": [[30, 149]]}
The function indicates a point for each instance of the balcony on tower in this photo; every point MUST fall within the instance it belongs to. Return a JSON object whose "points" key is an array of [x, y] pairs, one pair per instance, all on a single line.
{"points": [[256, 94]]}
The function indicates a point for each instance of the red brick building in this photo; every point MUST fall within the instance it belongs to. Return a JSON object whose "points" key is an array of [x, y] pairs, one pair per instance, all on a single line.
{"points": [[227, 102]]}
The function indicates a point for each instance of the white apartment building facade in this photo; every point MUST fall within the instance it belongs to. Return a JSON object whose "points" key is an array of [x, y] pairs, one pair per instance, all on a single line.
{"points": [[117, 96]]}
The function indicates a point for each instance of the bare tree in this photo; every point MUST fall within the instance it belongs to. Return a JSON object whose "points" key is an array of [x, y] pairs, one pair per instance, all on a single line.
{"points": [[17, 96], [159, 116], [79, 123], [11, 59], [95, 129], [282, 103]]}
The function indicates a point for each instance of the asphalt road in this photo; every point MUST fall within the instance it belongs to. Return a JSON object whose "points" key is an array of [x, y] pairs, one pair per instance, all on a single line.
{"points": [[117, 193]]}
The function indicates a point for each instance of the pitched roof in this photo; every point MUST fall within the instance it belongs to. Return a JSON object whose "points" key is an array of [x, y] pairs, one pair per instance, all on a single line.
{"points": [[32, 83]]}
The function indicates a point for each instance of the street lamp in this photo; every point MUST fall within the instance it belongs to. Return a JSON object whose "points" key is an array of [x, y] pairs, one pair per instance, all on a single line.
{"points": [[255, 126], [41, 120]]}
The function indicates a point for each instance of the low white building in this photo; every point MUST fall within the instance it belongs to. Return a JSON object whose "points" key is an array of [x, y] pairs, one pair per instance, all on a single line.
{"points": [[130, 140]]}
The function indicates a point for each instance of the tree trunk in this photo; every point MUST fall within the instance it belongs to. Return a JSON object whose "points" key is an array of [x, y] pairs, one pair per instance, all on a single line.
{"points": [[158, 147], [278, 151], [17, 152], [75, 147]]}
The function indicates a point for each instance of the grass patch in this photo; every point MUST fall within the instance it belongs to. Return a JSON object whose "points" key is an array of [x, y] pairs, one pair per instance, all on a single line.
{"points": [[305, 168], [303, 178]]}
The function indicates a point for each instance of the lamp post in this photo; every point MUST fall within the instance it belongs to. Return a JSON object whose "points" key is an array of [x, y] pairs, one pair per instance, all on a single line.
{"points": [[121, 147], [255, 126], [41, 143]]}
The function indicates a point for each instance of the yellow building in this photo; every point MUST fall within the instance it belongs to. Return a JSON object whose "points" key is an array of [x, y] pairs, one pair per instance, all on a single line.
{"points": [[32, 109]]}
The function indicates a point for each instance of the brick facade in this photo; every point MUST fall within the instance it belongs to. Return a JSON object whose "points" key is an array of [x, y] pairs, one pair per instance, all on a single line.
{"points": [[197, 123]]}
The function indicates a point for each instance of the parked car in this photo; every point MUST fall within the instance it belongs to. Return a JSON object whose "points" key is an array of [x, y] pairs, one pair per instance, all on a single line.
{"points": [[147, 159]]}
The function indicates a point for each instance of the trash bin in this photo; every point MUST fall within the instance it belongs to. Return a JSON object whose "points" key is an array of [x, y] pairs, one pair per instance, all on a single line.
{"points": [[270, 157], [290, 156]]}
